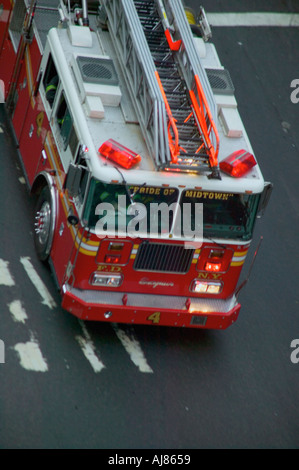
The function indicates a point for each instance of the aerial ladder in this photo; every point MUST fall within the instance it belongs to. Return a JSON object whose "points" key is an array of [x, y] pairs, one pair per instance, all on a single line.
{"points": [[169, 88]]}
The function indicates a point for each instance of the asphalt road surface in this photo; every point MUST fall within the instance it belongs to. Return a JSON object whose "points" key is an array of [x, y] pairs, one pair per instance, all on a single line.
{"points": [[120, 387]]}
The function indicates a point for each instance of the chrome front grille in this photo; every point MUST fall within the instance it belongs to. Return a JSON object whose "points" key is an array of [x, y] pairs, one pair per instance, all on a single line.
{"points": [[160, 257]]}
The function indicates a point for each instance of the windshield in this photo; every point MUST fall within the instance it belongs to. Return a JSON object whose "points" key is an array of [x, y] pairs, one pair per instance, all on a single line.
{"points": [[124, 209], [225, 215]]}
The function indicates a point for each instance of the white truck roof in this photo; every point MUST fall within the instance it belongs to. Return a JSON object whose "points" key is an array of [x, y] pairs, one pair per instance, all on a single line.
{"points": [[105, 111]]}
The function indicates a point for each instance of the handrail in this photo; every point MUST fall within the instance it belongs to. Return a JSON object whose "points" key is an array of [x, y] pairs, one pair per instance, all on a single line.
{"points": [[205, 122], [174, 146]]}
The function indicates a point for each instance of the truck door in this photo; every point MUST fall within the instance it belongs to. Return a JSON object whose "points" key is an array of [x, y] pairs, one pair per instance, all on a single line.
{"points": [[26, 101], [38, 115], [11, 23]]}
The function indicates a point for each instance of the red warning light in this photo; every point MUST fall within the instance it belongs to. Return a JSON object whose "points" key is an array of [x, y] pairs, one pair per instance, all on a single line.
{"points": [[119, 154], [213, 267], [112, 259], [238, 163]]}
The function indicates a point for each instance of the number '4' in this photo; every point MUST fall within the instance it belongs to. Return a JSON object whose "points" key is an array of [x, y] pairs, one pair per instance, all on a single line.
{"points": [[154, 317]]}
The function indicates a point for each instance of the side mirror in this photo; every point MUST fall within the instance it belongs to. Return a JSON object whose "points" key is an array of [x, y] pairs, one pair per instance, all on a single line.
{"points": [[73, 219], [265, 198], [73, 180]]}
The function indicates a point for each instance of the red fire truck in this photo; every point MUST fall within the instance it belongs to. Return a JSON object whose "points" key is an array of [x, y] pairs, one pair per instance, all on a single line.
{"points": [[130, 139]]}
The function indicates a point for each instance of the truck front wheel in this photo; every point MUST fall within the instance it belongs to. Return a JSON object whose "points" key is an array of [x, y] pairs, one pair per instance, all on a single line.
{"points": [[43, 224]]}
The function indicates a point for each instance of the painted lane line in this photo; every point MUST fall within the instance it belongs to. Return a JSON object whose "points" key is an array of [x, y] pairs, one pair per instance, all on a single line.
{"points": [[255, 19], [17, 311], [38, 283], [133, 348], [31, 357], [2, 352], [6, 278], [88, 349]]}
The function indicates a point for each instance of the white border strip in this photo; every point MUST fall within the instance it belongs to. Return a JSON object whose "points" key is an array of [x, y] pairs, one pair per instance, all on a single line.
{"points": [[285, 20]]}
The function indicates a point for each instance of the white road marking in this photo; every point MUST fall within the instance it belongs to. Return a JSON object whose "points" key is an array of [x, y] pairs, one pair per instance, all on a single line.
{"points": [[133, 348], [17, 311], [286, 20], [30, 356], [2, 352], [22, 180], [1, 128], [38, 283], [5, 276], [88, 349]]}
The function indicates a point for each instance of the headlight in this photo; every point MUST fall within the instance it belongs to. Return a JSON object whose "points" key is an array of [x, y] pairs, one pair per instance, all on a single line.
{"points": [[205, 287], [107, 280]]}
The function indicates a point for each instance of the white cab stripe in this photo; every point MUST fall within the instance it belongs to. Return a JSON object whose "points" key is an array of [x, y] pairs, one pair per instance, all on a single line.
{"points": [[38, 283], [5, 276], [238, 258], [133, 348], [286, 20]]}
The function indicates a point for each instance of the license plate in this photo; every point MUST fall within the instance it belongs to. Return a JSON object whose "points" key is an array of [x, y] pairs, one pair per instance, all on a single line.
{"points": [[198, 321]]}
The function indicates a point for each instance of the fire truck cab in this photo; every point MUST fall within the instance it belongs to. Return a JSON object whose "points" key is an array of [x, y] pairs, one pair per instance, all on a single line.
{"points": [[130, 136]]}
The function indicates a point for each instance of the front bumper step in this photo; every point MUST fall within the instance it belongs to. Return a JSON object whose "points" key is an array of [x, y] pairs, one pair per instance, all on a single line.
{"points": [[150, 309]]}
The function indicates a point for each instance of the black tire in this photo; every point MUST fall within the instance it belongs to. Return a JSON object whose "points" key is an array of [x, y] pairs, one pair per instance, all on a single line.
{"points": [[43, 224]]}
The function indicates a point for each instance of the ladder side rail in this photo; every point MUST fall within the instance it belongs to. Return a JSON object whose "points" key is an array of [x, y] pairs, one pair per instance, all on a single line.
{"points": [[200, 90], [187, 55], [163, 130], [210, 130], [131, 67], [199, 112], [144, 59], [137, 64], [172, 139]]}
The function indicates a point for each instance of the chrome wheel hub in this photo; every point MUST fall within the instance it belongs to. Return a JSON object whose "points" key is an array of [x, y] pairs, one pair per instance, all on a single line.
{"points": [[42, 222]]}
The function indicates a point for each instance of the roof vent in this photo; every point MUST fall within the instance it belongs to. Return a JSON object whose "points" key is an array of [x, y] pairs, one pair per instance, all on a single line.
{"points": [[97, 70], [220, 81], [97, 76]]}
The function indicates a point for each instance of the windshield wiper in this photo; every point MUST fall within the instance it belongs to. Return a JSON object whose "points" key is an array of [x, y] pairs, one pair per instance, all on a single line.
{"points": [[131, 196], [216, 243]]}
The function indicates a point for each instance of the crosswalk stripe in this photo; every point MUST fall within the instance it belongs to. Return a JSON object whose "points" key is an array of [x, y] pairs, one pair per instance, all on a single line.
{"points": [[6, 278], [17, 311], [30, 356], [38, 283], [254, 19], [2, 352], [133, 348], [88, 349]]}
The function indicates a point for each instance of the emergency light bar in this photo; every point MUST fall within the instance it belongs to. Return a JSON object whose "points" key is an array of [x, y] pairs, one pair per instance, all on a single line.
{"points": [[238, 163], [119, 154]]}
